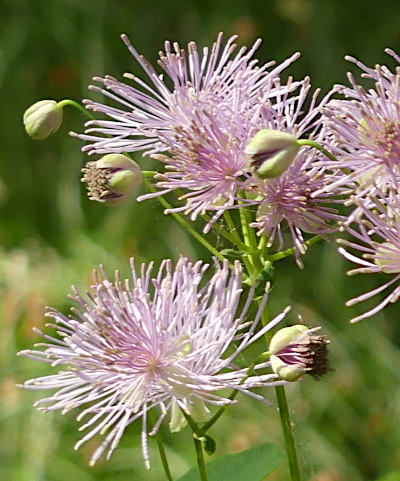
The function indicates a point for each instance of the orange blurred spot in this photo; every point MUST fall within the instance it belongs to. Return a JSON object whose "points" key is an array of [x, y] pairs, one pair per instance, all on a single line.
{"points": [[61, 76], [330, 475], [245, 28]]}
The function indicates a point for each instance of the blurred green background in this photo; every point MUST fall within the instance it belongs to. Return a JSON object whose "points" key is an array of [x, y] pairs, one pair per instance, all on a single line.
{"points": [[347, 425]]}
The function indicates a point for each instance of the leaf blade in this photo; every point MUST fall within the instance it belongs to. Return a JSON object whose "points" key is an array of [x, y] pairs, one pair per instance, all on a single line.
{"points": [[249, 465]]}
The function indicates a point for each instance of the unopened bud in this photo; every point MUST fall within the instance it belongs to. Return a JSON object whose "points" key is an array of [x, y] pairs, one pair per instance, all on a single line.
{"points": [[270, 152], [112, 179], [296, 350], [42, 119]]}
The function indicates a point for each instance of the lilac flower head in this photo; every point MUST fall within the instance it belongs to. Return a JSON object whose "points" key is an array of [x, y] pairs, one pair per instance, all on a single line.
{"points": [[376, 237], [366, 127], [288, 200], [199, 118], [148, 342]]}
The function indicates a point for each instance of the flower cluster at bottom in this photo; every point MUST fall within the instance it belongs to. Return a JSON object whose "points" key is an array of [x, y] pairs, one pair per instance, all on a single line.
{"points": [[166, 341]]}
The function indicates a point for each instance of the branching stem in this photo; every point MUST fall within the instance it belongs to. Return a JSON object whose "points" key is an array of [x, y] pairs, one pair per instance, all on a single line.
{"points": [[77, 106], [316, 145], [184, 224]]}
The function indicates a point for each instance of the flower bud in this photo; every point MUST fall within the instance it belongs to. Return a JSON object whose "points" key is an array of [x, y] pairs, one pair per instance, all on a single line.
{"points": [[112, 179], [296, 350], [42, 119], [270, 152]]}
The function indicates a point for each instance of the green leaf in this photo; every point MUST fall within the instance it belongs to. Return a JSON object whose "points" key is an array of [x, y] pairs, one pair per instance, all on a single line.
{"points": [[395, 476], [209, 444], [250, 465]]}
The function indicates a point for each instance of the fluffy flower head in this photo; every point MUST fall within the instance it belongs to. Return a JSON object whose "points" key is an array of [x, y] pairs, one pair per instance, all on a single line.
{"points": [[376, 239], [197, 121], [150, 342], [366, 128]]}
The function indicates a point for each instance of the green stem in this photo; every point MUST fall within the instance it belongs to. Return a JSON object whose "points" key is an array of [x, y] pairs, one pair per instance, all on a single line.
{"points": [[197, 434], [218, 414], [184, 224], [285, 419], [200, 458], [76, 105], [261, 358], [193, 425], [219, 228], [244, 246], [244, 220], [288, 252], [316, 145], [287, 433], [161, 450], [245, 226], [262, 243], [255, 265], [235, 234]]}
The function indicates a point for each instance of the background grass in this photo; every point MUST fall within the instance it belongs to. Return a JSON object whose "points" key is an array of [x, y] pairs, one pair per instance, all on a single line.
{"points": [[51, 236]]}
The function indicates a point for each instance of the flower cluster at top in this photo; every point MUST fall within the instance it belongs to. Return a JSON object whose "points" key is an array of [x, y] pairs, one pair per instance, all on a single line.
{"points": [[225, 131], [231, 134]]}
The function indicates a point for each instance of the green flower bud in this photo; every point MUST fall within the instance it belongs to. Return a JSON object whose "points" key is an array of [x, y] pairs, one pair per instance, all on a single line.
{"points": [[112, 179], [296, 350], [43, 119], [284, 337], [270, 152]]}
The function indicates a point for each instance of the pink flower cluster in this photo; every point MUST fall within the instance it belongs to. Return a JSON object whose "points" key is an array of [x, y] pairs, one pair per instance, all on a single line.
{"points": [[228, 134], [365, 127], [198, 122], [169, 341]]}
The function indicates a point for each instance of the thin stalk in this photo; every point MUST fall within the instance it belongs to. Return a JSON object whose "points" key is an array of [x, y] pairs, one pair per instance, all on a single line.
{"points": [[77, 106], [245, 226], [285, 420], [231, 238], [244, 220], [262, 243], [218, 414], [255, 266], [229, 222], [193, 425], [261, 358], [197, 433], [238, 241], [287, 433], [316, 145], [162, 452], [288, 252], [200, 458], [184, 224]]}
